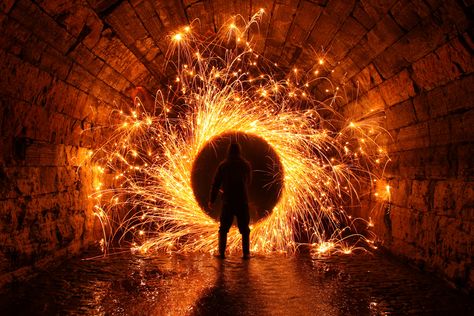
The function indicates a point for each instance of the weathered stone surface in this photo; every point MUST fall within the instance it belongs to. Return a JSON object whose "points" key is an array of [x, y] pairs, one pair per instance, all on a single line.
{"points": [[442, 163], [45, 27], [84, 57], [440, 131], [445, 197], [306, 16], [409, 13], [367, 78], [465, 161], [195, 10], [419, 195], [368, 103], [330, 22], [400, 115], [281, 22], [344, 70], [444, 65], [451, 98], [348, 36], [411, 164], [397, 89], [361, 15], [383, 34], [424, 38], [399, 192], [462, 126], [414, 136], [403, 224]]}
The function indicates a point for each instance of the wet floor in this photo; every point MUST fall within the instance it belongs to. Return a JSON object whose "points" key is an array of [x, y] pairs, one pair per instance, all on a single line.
{"points": [[200, 284]]}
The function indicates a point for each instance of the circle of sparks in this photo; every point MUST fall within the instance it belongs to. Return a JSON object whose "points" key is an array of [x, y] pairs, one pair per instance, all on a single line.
{"points": [[223, 86]]}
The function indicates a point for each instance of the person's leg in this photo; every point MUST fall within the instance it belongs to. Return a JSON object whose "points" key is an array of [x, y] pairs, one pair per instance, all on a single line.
{"points": [[225, 223], [243, 220]]}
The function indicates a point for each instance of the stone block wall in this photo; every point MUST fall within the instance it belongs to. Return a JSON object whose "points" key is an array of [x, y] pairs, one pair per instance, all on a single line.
{"points": [[415, 63], [62, 72]]}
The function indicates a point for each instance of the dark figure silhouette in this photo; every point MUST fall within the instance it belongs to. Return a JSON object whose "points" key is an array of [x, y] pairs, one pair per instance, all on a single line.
{"points": [[233, 176]]}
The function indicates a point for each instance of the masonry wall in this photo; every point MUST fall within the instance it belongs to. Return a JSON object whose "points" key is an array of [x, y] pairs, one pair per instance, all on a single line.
{"points": [[62, 72], [415, 63]]}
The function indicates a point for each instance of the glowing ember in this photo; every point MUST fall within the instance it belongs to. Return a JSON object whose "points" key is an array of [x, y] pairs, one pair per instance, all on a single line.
{"points": [[223, 86]]}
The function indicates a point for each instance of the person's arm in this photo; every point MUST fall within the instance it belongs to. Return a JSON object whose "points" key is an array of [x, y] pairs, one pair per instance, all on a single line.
{"points": [[216, 184]]}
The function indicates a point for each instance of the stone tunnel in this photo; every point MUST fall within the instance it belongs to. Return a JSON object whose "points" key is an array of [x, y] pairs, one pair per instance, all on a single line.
{"points": [[67, 64]]}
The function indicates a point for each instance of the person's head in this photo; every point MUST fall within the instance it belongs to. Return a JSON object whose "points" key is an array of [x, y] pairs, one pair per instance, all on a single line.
{"points": [[234, 150]]}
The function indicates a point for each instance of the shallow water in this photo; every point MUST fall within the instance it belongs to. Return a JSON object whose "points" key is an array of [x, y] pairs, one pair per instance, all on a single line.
{"points": [[199, 284]]}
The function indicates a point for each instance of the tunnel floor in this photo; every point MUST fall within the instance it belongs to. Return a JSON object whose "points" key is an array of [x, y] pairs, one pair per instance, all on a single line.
{"points": [[199, 284]]}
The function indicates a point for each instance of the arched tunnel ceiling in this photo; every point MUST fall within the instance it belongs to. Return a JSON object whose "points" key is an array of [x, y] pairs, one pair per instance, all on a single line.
{"points": [[294, 33], [349, 35]]}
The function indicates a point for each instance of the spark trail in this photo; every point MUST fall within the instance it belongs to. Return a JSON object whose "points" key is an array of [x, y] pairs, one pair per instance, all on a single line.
{"points": [[223, 86]]}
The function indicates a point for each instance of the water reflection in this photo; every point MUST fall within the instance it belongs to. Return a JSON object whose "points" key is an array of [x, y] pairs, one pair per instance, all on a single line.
{"points": [[198, 284]]}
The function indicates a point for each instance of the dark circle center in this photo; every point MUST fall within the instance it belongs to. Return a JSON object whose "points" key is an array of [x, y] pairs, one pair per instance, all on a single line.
{"points": [[267, 173]]}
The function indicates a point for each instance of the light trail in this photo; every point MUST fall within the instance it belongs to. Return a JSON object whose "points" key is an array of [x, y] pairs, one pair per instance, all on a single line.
{"points": [[144, 192]]}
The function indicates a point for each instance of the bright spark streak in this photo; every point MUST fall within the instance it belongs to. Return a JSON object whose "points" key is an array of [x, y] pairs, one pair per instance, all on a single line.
{"points": [[178, 37], [320, 151]]}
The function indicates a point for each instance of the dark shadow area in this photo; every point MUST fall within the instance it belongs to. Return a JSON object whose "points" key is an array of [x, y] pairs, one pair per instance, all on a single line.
{"points": [[198, 284], [223, 297], [267, 173]]}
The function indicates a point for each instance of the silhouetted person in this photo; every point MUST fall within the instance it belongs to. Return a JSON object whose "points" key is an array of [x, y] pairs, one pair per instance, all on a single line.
{"points": [[233, 176]]}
